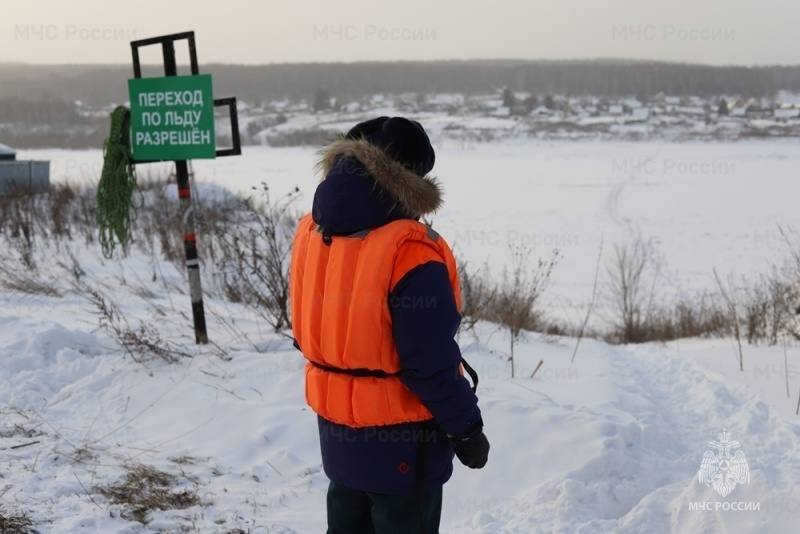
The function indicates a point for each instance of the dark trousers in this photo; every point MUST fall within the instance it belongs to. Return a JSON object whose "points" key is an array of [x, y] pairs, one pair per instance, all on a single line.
{"points": [[360, 512]]}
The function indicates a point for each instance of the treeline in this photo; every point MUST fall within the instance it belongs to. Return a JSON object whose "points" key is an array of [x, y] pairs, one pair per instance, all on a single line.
{"points": [[28, 111], [48, 122], [101, 85]]}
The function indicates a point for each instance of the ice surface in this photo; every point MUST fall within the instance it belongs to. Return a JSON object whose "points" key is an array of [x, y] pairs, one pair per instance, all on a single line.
{"points": [[703, 205]]}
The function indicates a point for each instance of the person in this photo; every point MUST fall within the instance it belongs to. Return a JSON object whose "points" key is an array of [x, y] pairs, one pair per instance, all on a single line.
{"points": [[375, 308]]}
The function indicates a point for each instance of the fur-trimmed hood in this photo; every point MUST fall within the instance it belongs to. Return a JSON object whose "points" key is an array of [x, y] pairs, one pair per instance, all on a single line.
{"points": [[417, 195]]}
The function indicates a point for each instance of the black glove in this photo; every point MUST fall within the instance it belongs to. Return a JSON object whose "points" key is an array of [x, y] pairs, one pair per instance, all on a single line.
{"points": [[473, 450]]}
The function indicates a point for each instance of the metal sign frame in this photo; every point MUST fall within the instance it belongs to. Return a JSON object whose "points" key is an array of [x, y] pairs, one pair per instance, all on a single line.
{"points": [[167, 43]]}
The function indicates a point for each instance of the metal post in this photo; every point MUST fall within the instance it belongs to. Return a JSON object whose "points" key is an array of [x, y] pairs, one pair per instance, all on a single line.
{"points": [[187, 216], [167, 43]]}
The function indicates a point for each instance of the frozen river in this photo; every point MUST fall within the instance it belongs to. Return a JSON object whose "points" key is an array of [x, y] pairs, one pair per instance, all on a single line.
{"points": [[704, 205]]}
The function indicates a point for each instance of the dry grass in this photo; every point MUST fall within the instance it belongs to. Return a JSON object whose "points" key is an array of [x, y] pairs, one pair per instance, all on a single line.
{"points": [[15, 523], [142, 343], [16, 276], [478, 294], [640, 309], [515, 302], [145, 489], [518, 299], [254, 257], [19, 431], [245, 243]]}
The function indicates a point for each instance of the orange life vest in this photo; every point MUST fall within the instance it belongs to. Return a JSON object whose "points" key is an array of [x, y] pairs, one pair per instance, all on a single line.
{"points": [[341, 319]]}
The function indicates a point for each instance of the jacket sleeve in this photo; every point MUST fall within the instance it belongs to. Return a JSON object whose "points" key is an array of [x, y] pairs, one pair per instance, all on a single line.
{"points": [[425, 319]]}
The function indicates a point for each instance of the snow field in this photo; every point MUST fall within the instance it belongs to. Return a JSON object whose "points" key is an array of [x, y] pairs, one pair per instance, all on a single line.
{"points": [[611, 443]]}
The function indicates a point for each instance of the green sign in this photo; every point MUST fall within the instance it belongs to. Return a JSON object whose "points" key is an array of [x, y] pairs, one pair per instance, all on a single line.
{"points": [[172, 118]]}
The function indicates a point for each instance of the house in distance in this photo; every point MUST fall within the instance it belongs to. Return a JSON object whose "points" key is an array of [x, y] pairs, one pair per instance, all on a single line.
{"points": [[22, 176]]}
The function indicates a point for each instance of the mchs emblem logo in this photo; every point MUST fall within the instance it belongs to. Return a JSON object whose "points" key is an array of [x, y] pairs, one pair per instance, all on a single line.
{"points": [[724, 465]]}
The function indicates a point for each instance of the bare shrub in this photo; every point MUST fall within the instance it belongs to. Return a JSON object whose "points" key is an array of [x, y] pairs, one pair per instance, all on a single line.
{"points": [[641, 311], [764, 309], [698, 316], [516, 305], [61, 212], [786, 286], [17, 223], [144, 489], [61, 199], [631, 276], [254, 254], [478, 295], [767, 309], [514, 302]]}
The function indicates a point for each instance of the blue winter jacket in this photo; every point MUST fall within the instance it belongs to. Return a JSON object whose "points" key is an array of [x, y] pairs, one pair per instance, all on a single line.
{"points": [[399, 459]]}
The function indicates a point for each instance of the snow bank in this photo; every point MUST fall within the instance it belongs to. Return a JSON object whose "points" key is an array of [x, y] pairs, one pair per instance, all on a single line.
{"points": [[611, 443]]}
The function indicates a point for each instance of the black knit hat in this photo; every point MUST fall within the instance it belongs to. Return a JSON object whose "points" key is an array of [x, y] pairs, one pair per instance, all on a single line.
{"points": [[403, 139]]}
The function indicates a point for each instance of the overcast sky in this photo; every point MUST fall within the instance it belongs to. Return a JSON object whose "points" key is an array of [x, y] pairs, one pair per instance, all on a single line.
{"points": [[267, 31]]}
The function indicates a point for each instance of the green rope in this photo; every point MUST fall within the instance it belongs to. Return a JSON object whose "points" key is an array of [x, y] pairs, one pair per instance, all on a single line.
{"points": [[117, 183]]}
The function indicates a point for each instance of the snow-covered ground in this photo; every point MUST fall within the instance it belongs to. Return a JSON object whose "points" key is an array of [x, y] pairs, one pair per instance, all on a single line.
{"points": [[611, 443]]}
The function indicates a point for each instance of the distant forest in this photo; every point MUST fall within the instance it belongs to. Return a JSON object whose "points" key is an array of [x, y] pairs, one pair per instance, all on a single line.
{"points": [[106, 84]]}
